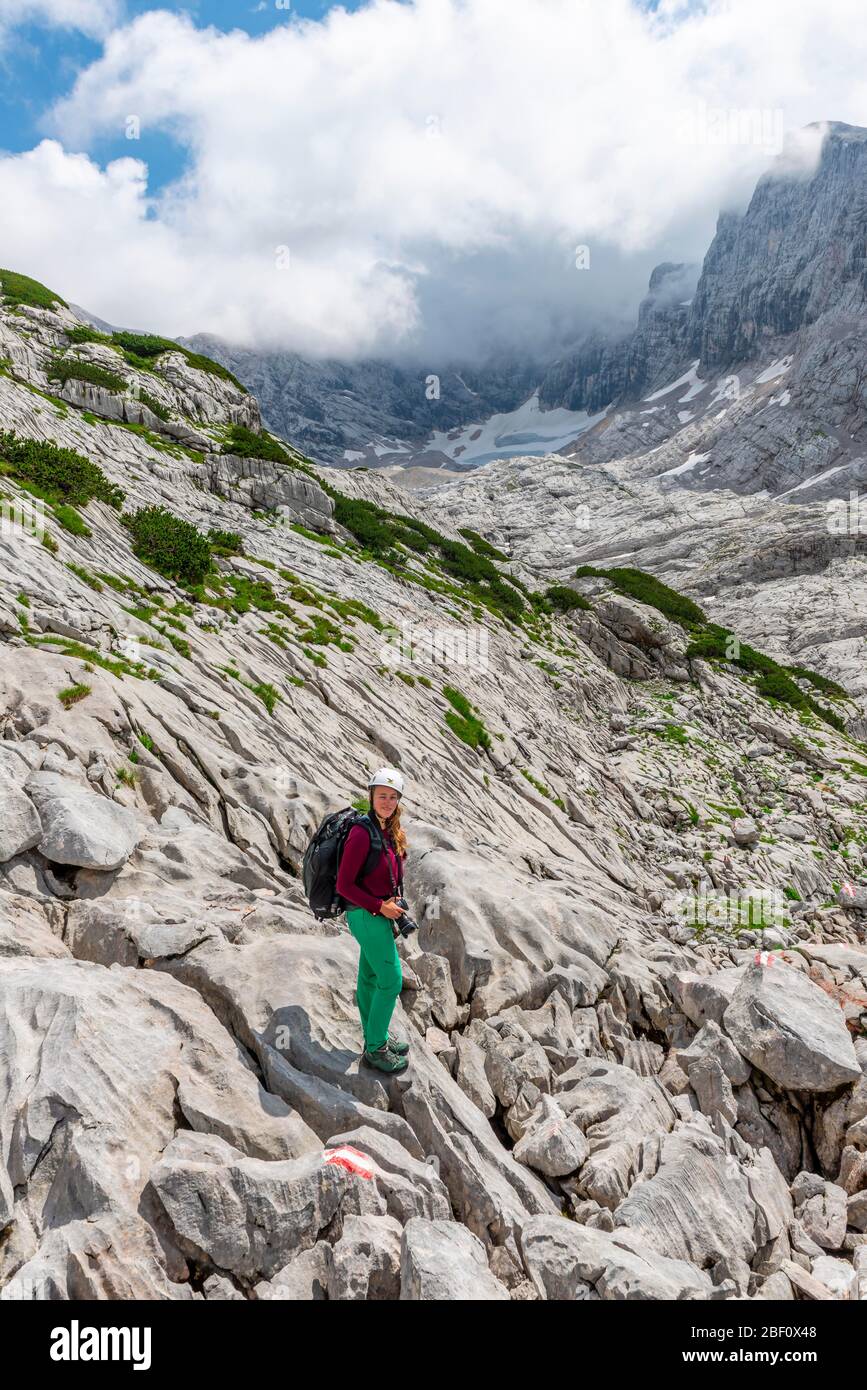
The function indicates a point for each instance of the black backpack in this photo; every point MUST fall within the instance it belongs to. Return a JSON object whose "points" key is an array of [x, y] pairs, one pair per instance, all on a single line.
{"points": [[322, 859]]}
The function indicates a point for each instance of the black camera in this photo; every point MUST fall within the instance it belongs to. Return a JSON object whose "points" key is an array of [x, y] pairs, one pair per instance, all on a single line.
{"points": [[405, 925]]}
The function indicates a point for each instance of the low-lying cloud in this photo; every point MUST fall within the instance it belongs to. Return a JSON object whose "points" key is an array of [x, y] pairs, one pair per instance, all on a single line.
{"points": [[438, 178]]}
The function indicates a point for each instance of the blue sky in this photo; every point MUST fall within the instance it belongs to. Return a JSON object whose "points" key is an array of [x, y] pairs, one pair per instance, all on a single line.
{"points": [[40, 64]]}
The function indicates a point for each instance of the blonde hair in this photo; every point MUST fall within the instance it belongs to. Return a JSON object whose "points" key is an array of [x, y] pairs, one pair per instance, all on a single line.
{"points": [[393, 827]]}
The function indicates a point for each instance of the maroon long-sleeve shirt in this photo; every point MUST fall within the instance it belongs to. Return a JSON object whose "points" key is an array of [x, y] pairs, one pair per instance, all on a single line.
{"points": [[371, 890]]}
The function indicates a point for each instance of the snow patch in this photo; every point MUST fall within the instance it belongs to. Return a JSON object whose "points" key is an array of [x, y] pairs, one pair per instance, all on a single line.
{"points": [[527, 430], [778, 368], [811, 482], [689, 378], [684, 467]]}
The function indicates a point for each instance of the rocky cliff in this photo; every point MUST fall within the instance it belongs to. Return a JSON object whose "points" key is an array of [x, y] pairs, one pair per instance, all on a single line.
{"points": [[637, 1001]]}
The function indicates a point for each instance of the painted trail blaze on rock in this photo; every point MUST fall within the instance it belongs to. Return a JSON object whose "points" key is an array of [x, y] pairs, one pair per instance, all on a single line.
{"points": [[353, 1160]]}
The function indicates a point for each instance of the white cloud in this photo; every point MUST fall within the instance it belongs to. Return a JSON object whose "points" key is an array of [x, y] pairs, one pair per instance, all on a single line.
{"points": [[93, 17], [430, 167]]}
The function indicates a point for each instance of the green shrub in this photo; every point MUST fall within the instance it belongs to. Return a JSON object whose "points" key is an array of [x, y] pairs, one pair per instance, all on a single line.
{"points": [[561, 597], [822, 683], [635, 583], [480, 545], [225, 542], [60, 475], [153, 405], [83, 333], [70, 369], [20, 289], [171, 546], [142, 348], [245, 444]]}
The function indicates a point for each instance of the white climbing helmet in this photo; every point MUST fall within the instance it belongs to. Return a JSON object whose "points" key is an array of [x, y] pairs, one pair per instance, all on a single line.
{"points": [[387, 777]]}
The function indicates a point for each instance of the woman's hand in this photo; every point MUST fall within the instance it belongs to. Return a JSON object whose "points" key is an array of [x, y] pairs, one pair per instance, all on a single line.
{"points": [[391, 910]]}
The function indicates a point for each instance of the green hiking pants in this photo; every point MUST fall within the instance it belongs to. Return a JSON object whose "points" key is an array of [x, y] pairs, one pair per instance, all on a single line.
{"points": [[379, 974]]}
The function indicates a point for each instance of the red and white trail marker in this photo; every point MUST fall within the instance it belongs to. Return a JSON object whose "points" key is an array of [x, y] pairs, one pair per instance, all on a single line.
{"points": [[353, 1160]]}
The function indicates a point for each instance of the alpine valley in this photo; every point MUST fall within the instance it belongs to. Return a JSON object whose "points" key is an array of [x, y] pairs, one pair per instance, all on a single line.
{"points": [[636, 798]]}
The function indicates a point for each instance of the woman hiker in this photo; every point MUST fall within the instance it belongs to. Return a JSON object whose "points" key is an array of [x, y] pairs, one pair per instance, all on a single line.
{"points": [[370, 918]]}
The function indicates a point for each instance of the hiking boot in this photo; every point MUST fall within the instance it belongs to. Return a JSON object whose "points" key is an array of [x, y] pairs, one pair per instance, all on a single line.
{"points": [[401, 1048], [384, 1059]]}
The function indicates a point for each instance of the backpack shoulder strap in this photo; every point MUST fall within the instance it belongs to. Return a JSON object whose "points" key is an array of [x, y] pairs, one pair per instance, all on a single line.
{"points": [[377, 843]]}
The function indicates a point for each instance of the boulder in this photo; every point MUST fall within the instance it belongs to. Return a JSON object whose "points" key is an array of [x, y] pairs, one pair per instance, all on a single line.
{"points": [[551, 1143], [568, 1261], [20, 826], [791, 1030], [442, 1261], [244, 1215], [79, 827]]}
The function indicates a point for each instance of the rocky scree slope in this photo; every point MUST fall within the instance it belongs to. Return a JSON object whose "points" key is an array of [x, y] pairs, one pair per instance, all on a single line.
{"points": [[604, 1100]]}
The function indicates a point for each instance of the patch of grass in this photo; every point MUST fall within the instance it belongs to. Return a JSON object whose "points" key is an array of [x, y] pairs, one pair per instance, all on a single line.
{"points": [[146, 741], [320, 538], [252, 593], [117, 666], [860, 768], [181, 646], [267, 694], [72, 694], [85, 577], [540, 786], [20, 289], [70, 520], [464, 721], [672, 733]]}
